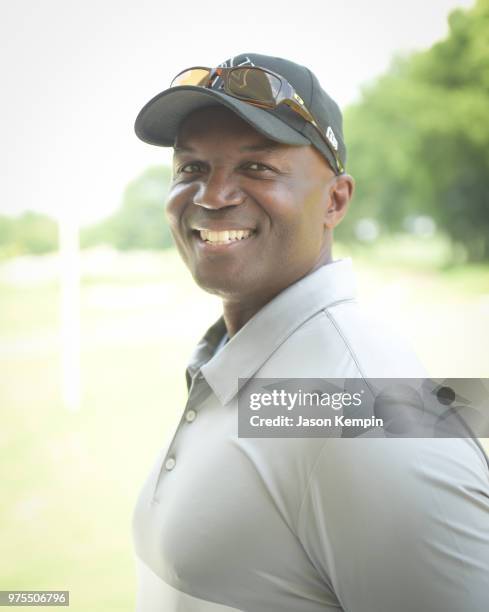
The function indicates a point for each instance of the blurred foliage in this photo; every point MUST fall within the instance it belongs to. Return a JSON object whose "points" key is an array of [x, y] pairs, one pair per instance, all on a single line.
{"points": [[419, 138], [31, 232], [140, 222]]}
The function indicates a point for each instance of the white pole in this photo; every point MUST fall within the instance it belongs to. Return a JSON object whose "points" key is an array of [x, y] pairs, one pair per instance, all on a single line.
{"points": [[69, 253]]}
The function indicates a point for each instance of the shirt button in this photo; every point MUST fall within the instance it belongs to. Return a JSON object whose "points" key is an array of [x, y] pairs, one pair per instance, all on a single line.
{"points": [[170, 463], [190, 416]]}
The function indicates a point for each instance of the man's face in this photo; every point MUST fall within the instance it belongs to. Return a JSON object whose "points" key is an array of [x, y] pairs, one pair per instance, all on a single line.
{"points": [[229, 177]]}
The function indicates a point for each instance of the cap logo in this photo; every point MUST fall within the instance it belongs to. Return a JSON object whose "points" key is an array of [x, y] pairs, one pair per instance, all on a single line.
{"points": [[332, 138]]}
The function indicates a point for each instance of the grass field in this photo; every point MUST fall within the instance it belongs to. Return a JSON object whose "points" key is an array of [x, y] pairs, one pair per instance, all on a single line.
{"points": [[70, 479]]}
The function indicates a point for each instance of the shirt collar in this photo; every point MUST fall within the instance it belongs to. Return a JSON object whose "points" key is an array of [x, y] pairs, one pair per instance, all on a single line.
{"points": [[250, 347]]}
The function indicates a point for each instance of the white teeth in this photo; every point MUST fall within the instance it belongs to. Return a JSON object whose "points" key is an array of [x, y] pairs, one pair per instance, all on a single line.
{"points": [[225, 236]]}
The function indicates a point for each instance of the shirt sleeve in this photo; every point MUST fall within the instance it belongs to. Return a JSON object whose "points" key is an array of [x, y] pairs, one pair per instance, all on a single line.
{"points": [[400, 524]]}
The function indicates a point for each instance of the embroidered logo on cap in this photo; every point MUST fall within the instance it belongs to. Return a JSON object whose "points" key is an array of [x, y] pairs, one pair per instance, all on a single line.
{"points": [[332, 138]]}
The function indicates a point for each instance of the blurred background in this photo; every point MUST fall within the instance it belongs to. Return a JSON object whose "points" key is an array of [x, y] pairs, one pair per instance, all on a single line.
{"points": [[99, 316]]}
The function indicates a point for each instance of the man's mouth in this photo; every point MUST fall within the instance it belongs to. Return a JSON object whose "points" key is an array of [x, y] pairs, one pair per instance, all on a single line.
{"points": [[224, 236]]}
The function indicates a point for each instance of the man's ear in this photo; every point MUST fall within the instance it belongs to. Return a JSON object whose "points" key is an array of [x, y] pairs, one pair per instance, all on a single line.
{"points": [[340, 194]]}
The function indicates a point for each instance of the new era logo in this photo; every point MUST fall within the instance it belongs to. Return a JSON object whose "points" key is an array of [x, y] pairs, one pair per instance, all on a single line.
{"points": [[332, 138]]}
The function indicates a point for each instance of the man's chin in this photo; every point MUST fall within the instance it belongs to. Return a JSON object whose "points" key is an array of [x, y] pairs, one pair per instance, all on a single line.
{"points": [[226, 286]]}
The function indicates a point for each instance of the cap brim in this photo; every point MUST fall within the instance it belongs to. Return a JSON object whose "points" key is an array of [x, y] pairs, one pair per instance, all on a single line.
{"points": [[158, 121]]}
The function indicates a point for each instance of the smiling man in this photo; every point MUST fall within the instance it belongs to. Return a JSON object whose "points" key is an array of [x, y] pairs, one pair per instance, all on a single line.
{"points": [[227, 523], [262, 211]]}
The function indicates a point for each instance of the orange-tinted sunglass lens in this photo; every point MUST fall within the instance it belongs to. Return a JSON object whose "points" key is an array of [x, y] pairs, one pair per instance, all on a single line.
{"points": [[193, 76]]}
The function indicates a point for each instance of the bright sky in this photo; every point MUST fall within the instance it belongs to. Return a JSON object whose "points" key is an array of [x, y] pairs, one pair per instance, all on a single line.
{"points": [[75, 74]]}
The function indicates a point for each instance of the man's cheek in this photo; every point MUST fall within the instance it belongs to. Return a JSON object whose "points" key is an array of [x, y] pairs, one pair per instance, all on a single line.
{"points": [[174, 211], [178, 194]]}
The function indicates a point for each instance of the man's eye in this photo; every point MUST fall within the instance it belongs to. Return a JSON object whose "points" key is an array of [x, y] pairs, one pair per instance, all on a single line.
{"points": [[190, 168], [256, 166]]}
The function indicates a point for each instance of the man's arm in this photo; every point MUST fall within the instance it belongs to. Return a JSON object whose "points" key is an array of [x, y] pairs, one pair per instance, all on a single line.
{"points": [[400, 524]]}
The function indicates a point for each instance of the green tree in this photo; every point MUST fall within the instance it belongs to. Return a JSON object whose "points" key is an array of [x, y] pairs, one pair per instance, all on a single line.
{"points": [[419, 138], [140, 222]]}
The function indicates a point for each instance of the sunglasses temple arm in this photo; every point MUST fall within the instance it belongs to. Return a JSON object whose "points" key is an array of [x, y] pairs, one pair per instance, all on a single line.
{"points": [[305, 114]]}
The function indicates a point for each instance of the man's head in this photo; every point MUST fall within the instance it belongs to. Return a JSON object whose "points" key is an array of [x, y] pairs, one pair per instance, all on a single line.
{"points": [[279, 200], [228, 176]]}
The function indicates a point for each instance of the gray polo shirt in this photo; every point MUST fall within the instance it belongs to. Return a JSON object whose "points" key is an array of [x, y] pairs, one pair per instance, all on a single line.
{"points": [[308, 524]]}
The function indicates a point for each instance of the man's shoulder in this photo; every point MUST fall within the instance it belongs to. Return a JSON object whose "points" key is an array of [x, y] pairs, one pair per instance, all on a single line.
{"points": [[344, 340], [376, 346]]}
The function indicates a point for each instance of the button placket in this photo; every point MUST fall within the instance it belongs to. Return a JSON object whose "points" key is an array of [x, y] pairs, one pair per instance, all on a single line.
{"points": [[198, 391]]}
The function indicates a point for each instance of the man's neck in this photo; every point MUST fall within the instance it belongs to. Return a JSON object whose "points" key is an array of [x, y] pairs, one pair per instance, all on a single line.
{"points": [[237, 313]]}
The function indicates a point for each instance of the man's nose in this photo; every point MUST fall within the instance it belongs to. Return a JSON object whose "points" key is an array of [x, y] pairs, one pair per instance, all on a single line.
{"points": [[219, 190]]}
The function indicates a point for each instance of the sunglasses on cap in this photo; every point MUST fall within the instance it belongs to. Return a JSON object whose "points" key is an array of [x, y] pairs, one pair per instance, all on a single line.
{"points": [[257, 86]]}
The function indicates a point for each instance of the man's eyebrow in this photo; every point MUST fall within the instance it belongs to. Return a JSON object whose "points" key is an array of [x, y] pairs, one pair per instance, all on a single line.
{"points": [[179, 149]]}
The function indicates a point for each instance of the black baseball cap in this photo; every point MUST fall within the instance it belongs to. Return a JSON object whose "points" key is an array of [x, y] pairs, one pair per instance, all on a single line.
{"points": [[158, 121]]}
